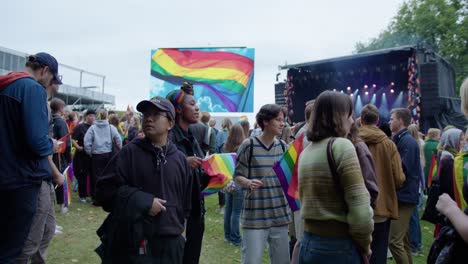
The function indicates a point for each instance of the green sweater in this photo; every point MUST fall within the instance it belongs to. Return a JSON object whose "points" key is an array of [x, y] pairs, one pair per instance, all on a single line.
{"points": [[320, 202]]}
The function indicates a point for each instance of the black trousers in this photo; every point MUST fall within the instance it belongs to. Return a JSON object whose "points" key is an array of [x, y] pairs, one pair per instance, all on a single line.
{"points": [[81, 170], [221, 199], [193, 245], [379, 244], [18, 210], [98, 164]]}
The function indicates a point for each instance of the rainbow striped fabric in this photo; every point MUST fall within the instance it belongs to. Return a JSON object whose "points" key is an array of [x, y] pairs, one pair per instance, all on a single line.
{"points": [[460, 167], [286, 170], [222, 77], [220, 168], [68, 175]]}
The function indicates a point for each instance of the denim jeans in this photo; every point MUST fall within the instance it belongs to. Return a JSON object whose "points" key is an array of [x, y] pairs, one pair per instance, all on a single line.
{"points": [[321, 249], [254, 240], [415, 231], [232, 212]]}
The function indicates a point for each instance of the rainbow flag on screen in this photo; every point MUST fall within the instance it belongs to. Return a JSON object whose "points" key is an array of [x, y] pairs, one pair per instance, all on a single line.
{"points": [[286, 170], [68, 179], [222, 78], [460, 167], [220, 168]]}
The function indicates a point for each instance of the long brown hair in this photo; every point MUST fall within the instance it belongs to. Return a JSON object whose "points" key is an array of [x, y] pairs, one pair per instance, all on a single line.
{"points": [[235, 138], [326, 119]]}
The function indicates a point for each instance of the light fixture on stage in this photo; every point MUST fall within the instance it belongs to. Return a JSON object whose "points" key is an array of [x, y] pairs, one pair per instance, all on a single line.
{"points": [[351, 95], [365, 86], [334, 90], [392, 83], [366, 93], [374, 85], [392, 91], [348, 88], [341, 91]]}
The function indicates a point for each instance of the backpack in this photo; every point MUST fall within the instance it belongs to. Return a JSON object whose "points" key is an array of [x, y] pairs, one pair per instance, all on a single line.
{"points": [[448, 247]]}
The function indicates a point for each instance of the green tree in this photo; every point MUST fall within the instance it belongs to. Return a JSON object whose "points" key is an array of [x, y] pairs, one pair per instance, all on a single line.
{"points": [[440, 25]]}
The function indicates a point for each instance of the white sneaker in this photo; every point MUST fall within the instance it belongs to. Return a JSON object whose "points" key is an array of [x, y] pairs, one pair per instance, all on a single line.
{"points": [[64, 210], [57, 227], [83, 200], [58, 232]]}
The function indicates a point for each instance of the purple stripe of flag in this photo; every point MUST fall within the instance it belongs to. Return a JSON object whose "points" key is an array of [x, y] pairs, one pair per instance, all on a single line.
{"points": [[284, 181]]}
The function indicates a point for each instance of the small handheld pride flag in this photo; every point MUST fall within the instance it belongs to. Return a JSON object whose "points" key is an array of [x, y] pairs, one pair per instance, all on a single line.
{"points": [[68, 175], [286, 170], [220, 168]]}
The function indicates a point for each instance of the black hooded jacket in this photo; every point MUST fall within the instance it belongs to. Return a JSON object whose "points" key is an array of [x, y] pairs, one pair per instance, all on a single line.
{"points": [[162, 173], [187, 143]]}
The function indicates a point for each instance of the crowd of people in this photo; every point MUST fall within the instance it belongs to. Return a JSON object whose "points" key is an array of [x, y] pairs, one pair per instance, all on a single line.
{"points": [[362, 182]]}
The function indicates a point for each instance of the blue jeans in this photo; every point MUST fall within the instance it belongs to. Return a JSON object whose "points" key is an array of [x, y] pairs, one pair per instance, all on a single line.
{"points": [[415, 231], [254, 240], [232, 212], [321, 249]]}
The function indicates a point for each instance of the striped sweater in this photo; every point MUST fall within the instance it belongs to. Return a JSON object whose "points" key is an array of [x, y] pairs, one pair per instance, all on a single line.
{"points": [[267, 206], [320, 202]]}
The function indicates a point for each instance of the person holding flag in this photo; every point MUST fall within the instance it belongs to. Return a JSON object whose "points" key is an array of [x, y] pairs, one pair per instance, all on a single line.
{"points": [[266, 215], [62, 158]]}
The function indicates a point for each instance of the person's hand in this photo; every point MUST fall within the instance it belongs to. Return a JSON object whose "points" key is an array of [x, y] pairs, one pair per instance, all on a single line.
{"points": [[58, 179], [254, 184], [194, 162], [445, 204], [157, 207], [55, 145], [79, 149]]}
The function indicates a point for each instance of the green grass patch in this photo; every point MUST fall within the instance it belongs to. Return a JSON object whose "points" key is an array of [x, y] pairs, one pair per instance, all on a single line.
{"points": [[79, 239]]}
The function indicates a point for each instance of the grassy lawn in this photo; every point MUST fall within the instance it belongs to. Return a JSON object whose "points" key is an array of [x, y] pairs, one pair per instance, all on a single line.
{"points": [[79, 239]]}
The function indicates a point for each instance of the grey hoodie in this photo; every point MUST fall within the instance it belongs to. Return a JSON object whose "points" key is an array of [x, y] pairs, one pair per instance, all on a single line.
{"points": [[99, 138]]}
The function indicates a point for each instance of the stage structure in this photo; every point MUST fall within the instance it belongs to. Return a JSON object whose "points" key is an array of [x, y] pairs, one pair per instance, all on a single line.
{"points": [[223, 78], [407, 76]]}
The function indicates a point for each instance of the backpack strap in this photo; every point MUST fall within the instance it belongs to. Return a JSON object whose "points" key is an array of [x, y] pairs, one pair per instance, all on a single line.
{"points": [[332, 164], [250, 155], [282, 145]]}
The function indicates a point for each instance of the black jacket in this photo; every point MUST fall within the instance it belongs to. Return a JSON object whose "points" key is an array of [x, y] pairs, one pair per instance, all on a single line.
{"points": [[187, 143], [162, 173]]}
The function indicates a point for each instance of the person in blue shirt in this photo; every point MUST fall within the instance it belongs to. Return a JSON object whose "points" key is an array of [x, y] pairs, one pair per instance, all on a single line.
{"points": [[26, 147]]}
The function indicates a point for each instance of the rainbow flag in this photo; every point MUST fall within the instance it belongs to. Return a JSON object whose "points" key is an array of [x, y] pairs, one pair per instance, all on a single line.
{"points": [[222, 77], [460, 167], [432, 170], [286, 170], [62, 147], [243, 119], [220, 168], [68, 175]]}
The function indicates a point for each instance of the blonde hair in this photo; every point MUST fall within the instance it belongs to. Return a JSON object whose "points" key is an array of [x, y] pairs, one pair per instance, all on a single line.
{"points": [[102, 115], [464, 96], [413, 130], [433, 133]]}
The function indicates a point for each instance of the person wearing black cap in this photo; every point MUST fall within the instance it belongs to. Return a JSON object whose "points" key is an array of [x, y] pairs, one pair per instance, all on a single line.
{"points": [[81, 161], [24, 162], [150, 181], [187, 113]]}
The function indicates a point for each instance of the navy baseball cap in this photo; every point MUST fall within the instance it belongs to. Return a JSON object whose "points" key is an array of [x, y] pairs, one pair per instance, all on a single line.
{"points": [[51, 62], [160, 103]]}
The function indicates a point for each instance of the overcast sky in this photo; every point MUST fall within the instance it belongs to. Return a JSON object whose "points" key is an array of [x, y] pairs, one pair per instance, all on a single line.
{"points": [[114, 38]]}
